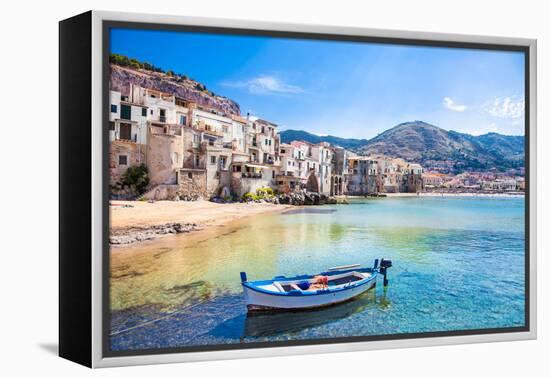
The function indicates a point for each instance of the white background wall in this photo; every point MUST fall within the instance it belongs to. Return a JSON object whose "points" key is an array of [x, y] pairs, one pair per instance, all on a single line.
{"points": [[28, 190]]}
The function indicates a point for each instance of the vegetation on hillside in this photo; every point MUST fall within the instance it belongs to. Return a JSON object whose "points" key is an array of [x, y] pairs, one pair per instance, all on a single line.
{"points": [[124, 61]]}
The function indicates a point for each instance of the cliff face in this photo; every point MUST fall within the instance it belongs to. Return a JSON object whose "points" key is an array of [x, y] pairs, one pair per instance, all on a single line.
{"points": [[122, 77]]}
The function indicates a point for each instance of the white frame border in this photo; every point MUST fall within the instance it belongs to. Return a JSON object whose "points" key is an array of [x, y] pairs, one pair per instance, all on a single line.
{"points": [[97, 189]]}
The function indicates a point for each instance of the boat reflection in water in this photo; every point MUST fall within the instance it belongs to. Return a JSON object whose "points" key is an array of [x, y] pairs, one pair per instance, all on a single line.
{"points": [[270, 324]]}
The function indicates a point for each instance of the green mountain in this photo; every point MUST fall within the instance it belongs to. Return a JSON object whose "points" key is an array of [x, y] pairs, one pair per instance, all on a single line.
{"points": [[288, 136], [433, 146]]}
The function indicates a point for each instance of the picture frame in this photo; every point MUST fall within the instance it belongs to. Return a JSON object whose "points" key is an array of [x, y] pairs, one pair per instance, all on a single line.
{"points": [[84, 250]]}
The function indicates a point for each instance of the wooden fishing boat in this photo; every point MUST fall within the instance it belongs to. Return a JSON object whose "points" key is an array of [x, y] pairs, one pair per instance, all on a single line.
{"points": [[336, 285]]}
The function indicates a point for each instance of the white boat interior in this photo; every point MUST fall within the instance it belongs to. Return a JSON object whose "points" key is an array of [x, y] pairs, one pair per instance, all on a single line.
{"points": [[335, 281]]}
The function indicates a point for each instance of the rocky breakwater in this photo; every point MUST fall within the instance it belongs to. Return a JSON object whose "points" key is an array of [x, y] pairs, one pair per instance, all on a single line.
{"points": [[129, 235], [305, 199]]}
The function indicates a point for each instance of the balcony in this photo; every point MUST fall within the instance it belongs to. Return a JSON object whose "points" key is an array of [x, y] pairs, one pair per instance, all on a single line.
{"points": [[251, 175]]}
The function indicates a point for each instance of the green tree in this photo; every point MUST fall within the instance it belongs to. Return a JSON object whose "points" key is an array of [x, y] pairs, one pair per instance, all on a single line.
{"points": [[136, 178]]}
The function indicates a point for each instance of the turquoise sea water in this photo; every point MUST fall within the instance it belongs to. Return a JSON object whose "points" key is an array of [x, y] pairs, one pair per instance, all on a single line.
{"points": [[458, 264]]}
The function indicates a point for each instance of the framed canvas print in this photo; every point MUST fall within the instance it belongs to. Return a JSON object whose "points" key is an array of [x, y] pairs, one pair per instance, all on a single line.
{"points": [[233, 189]]}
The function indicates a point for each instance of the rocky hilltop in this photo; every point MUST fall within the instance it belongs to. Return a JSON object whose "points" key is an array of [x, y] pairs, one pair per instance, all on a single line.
{"points": [[428, 144], [188, 89]]}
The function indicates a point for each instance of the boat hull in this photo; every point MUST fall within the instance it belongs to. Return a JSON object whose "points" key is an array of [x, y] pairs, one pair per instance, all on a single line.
{"points": [[258, 301]]}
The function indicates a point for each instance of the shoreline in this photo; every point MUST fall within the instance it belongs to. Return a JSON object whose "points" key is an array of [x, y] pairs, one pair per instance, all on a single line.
{"points": [[437, 194], [134, 222]]}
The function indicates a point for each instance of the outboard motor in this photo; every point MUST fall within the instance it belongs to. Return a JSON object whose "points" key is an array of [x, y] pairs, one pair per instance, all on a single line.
{"points": [[384, 265]]}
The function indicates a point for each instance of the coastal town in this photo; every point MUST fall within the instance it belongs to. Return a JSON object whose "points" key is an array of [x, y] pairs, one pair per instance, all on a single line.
{"points": [[237, 161], [192, 151], [195, 152]]}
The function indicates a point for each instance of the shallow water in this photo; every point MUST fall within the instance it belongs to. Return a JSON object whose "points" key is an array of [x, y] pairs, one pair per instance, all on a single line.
{"points": [[458, 265]]}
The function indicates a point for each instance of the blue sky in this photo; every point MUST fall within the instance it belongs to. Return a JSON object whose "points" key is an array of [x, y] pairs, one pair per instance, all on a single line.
{"points": [[345, 89]]}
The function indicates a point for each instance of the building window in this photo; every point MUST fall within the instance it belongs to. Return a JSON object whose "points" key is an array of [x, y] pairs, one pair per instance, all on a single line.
{"points": [[122, 160], [283, 151], [196, 138], [197, 161], [125, 112], [113, 108], [183, 120], [111, 126], [126, 131], [151, 112], [144, 112], [189, 175], [272, 174], [212, 160]]}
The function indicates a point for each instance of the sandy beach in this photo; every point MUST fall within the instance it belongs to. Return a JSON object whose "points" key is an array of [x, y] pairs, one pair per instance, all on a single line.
{"points": [[135, 221]]}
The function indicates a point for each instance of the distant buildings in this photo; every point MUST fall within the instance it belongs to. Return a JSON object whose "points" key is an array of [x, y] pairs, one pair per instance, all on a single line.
{"points": [[504, 185], [474, 181], [194, 151]]}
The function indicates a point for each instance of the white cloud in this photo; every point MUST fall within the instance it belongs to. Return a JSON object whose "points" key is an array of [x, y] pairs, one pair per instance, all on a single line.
{"points": [[450, 104], [265, 84], [506, 107]]}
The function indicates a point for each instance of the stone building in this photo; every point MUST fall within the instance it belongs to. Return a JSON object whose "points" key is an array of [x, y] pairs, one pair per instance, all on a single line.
{"points": [[412, 178], [127, 134], [322, 154], [164, 153], [381, 174], [309, 163], [363, 176], [195, 152], [289, 178], [340, 168]]}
